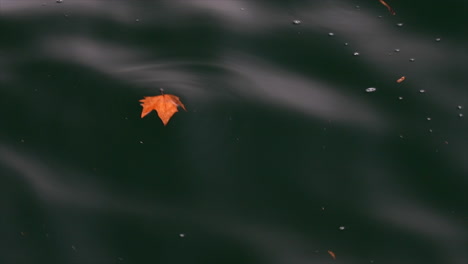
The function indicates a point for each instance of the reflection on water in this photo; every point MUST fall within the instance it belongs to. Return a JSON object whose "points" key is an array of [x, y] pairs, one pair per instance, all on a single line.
{"points": [[282, 156]]}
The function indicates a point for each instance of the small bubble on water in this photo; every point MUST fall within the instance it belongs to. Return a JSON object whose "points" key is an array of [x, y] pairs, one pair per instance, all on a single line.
{"points": [[141, 142], [346, 44], [430, 130], [296, 22], [412, 59], [437, 39], [459, 107], [460, 115], [137, 20], [400, 98], [356, 53], [182, 235], [422, 91], [428, 118], [397, 50], [331, 34], [371, 89], [400, 24], [342, 228]]}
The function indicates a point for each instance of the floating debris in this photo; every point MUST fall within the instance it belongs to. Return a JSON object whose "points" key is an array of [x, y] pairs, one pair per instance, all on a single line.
{"points": [[371, 89], [388, 7], [402, 78], [296, 22]]}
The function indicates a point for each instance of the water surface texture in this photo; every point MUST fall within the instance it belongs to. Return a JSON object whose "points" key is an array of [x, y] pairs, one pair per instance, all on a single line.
{"points": [[298, 139]]}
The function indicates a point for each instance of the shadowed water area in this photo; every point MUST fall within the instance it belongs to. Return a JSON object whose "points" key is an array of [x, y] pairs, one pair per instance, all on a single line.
{"points": [[284, 154]]}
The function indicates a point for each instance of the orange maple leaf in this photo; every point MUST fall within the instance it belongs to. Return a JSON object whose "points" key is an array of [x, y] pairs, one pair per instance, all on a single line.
{"points": [[165, 104]]}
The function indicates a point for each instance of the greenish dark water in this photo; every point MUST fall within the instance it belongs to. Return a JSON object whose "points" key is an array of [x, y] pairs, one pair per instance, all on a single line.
{"points": [[282, 155]]}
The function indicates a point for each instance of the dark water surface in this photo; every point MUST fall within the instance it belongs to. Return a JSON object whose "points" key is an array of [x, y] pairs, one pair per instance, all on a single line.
{"points": [[282, 155]]}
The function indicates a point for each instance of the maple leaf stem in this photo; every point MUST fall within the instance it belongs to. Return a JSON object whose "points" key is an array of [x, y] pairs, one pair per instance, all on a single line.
{"points": [[162, 90]]}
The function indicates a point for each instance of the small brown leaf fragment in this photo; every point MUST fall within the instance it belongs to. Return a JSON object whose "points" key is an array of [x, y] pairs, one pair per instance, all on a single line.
{"points": [[390, 9], [402, 78], [332, 254], [164, 104]]}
